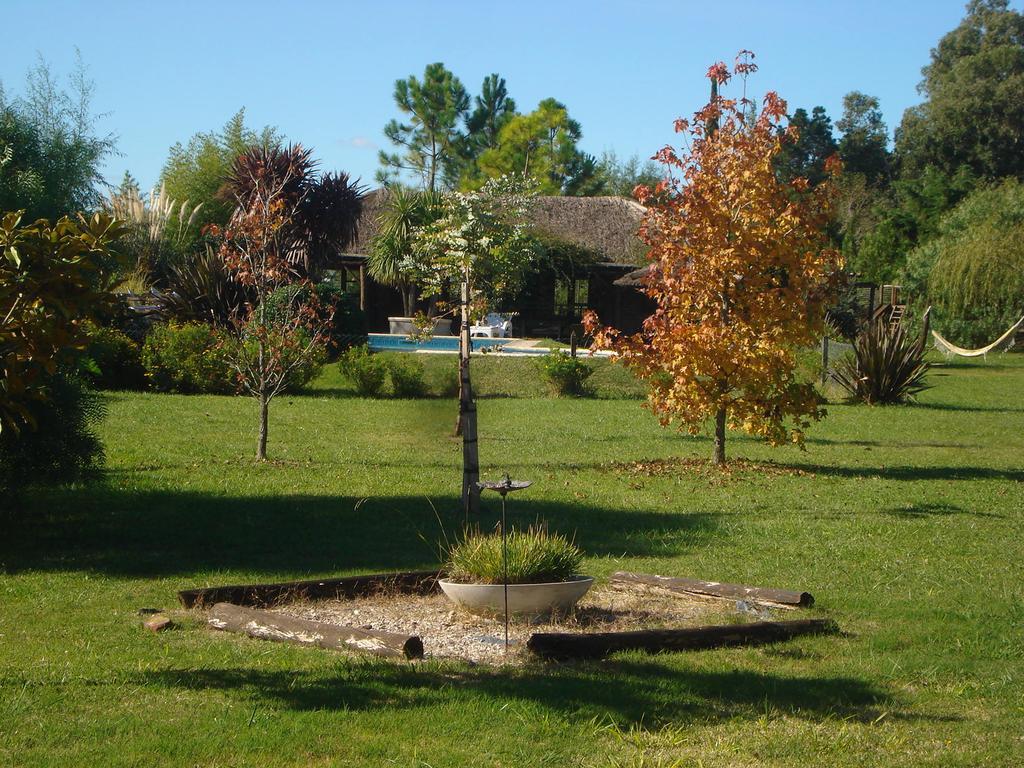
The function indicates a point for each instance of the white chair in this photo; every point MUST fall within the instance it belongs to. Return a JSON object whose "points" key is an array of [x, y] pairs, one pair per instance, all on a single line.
{"points": [[494, 326]]}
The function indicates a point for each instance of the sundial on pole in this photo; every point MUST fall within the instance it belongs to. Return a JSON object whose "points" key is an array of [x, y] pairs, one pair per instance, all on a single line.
{"points": [[504, 487]]}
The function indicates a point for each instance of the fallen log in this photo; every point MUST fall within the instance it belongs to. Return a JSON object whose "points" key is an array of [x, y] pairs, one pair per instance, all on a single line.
{"points": [[265, 625], [410, 582], [784, 597], [563, 646]]}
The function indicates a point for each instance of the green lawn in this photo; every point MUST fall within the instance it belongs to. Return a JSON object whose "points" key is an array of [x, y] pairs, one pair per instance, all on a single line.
{"points": [[904, 523]]}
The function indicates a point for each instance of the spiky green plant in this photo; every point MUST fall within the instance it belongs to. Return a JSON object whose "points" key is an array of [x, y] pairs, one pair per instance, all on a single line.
{"points": [[404, 211], [887, 366], [535, 556]]}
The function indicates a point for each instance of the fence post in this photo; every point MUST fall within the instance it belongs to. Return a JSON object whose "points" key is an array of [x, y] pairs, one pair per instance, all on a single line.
{"points": [[824, 358]]}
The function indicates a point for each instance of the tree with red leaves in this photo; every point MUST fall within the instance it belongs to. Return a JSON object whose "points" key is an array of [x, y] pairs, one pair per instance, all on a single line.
{"points": [[741, 273]]}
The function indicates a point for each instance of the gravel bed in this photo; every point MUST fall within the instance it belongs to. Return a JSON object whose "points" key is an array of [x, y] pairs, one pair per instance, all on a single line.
{"points": [[449, 632]]}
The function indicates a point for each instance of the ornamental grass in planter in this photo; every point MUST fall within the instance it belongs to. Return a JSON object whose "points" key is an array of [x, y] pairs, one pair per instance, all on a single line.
{"points": [[543, 573]]}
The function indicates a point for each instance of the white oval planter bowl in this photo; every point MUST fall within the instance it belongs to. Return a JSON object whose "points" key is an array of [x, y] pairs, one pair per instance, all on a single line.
{"points": [[406, 326], [523, 599]]}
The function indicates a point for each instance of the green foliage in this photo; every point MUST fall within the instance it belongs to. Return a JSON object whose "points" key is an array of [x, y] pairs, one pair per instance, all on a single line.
{"points": [[200, 288], [864, 145], [613, 176], [158, 229], [972, 272], [366, 371], [407, 376], [429, 142], [404, 210], [50, 153], [189, 358], [880, 227], [295, 353], [805, 157], [51, 280], [196, 171], [565, 375], [543, 146], [535, 556], [114, 359], [481, 235], [887, 366], [973, 115], [62, 445]]}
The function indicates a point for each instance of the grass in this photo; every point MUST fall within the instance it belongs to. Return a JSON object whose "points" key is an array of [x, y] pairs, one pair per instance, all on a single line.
{"points": [[904, 523], [535, 556]]}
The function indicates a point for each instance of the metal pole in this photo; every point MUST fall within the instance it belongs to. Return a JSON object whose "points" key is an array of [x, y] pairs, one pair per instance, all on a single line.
{"points": [[504, 564]]}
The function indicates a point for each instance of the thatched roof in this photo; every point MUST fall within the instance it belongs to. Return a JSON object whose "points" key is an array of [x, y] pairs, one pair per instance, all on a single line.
{"points": [[373, 202], [604, 225]]}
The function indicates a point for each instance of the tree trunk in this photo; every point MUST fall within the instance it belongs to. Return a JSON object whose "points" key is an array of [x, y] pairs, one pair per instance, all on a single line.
{"points": [[467, 414], [719, 457], [261, 443]]}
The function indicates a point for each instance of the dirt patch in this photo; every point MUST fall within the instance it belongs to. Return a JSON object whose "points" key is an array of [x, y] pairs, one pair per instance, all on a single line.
{"points": [[449, 632]]}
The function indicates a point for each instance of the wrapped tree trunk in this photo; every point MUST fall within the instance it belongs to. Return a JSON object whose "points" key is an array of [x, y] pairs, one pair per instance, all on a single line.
{"points": [[467, 413]]}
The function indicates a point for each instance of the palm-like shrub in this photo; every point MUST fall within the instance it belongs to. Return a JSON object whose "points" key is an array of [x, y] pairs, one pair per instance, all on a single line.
{"points": [[535, 556], [404, 210], [323, 209], [887, 366], [201, 289]]}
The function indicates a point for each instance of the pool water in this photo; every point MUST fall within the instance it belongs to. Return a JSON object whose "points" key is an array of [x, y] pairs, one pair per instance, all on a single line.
{"points": [[388, 342]]}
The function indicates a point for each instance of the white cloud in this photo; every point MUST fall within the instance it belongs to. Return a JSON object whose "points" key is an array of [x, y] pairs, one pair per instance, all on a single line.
{"points": [[361, 142]]}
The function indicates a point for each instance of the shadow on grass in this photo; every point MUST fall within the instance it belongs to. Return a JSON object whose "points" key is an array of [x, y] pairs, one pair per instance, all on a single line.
{"points": [[925, 509], [628, 690], [963, 408], [162, 533], [912, 473]]}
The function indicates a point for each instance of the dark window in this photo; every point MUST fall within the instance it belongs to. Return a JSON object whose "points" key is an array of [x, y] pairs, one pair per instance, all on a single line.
{"points": [[571, 296]]}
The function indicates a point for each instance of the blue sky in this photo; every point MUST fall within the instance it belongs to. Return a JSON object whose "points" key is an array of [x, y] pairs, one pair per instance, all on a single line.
{"points": [[323, 72]]}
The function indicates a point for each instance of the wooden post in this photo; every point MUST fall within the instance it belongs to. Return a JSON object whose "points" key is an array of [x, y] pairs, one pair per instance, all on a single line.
{"points": [[564, 646], [824, 358], [718, 589], [362, 287]]}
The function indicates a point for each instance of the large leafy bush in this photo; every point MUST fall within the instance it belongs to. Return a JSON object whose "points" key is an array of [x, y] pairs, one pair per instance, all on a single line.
{"points": [[189, 358], [564, 374], [61, 446], [366, 371], [113, 359]]}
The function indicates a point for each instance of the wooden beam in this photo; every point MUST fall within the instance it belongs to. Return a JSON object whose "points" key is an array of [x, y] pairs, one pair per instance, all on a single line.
{"points": [[265, 625], [718, 589], [362, 287], [410, 582], [563, 646]]}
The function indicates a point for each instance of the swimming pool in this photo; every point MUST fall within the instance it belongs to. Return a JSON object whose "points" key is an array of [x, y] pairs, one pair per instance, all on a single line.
{"points": [[393, 342]]}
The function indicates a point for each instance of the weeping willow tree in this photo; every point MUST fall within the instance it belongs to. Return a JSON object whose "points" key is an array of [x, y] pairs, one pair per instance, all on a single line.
{"points": [[972, 272]]}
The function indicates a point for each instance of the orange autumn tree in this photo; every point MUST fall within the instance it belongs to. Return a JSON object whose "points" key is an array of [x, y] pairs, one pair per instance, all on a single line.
{"points": [[741, 274]]}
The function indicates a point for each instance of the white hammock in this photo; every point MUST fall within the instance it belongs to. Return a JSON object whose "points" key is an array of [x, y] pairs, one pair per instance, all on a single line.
{"points": [[1004, 342]]}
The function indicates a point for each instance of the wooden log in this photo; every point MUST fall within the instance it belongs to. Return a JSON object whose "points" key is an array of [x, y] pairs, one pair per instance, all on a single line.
{"points": [[563, 646], [410, 582], [265, 625], [718, 589]]}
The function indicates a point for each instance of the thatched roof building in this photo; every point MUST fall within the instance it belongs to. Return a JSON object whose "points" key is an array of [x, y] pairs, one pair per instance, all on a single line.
{"points": [[605, 226]]}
